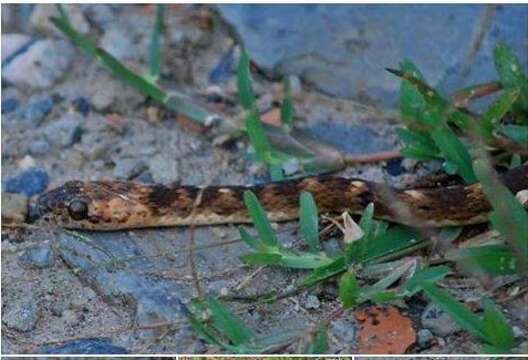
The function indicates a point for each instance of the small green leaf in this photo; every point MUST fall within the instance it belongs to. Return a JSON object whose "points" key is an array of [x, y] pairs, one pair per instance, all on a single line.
{"points": [[303, 260], [497, 110], [287, 109], [309, 221], [324, 272], [262, 259], [258, 215], [348, 290], [499, 332], [515, 161], [320, 343], [412, 103], [427, 275], [494, 260], [229, 324], [511, 74], [276, 173], [245, 89], [454, 151], [250, 240], [458, 312], [517, 133], [509, 217]]}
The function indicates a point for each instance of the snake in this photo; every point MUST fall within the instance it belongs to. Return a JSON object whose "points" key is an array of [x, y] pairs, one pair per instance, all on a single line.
{"points": [[117, 205]]}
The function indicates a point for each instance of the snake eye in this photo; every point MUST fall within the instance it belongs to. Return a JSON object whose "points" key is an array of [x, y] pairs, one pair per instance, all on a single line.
{"points": [[78, 210]]}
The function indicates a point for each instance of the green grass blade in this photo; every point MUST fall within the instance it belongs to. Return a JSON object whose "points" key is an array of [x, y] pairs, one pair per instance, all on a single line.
{"points": [[320, 343], [155, 48], [250, 240], [309, 221], [324, 272], [511, 74], [349, 290], [412, 103], [499, 332], [245, 89], [509, 217], [460, 313], [428, 275], [258, 215], [455, 152], [494, 260], [262, 258], [287, 109], [234, 329], [257, 136], [497, 110]]}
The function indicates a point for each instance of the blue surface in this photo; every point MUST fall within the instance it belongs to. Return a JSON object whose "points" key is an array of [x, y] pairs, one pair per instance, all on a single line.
{"points": [[101, 346], [342, 50], [30, 182]]}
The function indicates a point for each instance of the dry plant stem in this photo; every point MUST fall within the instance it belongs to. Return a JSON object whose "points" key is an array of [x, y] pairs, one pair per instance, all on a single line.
{"points": [[368, 158]]}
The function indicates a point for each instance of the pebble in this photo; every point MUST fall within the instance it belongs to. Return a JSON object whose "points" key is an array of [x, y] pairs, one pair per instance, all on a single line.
{"points": [[41, 65], [39, 257], [39, 147], [128, 169], [66, 131], [312, 302], [26, 162], [438, 321], [22, 316], [118, 42], [12, 45], [224, 69], [394, 167], [424, 337], [29, 182], [82, 105], [14, 207], [36, 111], [84, 346], [9, 105]]}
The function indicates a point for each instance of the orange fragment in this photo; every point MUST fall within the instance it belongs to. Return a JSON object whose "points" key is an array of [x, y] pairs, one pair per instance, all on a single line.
{"points": [[384, 330], [272, 117]]}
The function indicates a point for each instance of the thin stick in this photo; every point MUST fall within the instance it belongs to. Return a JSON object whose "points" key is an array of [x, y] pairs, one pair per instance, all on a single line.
{"points": [[374, 157]]}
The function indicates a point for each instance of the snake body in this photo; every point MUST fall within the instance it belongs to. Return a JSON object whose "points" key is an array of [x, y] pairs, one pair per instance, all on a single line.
{"points": [[116, 205]]}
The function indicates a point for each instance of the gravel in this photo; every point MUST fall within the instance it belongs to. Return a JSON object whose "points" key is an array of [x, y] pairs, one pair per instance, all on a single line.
{"points": [[30, 182]]}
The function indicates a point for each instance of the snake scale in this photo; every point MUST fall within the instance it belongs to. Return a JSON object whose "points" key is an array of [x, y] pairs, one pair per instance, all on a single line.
{"points": [[116, 205]]}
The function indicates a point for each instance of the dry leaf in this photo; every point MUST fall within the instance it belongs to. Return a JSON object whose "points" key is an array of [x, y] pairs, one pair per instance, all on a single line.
{"points": [[384, 330]]}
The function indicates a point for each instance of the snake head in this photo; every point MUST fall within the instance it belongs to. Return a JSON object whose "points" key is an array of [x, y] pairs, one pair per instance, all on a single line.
{"points": [[67, 205]]}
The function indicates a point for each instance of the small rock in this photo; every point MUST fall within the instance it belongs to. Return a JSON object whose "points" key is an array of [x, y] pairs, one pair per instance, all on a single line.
{"points": [[65, 131], [39, 257], [224, 69], [26, 163], [145, 177], [100, 14], [84, 346], [522, 348], [9, 105], [30, 182], [39, 147], [312, 302], [14, 207], [35, 112], [345, 329], [129, 168], [41, 65], [56, 308], [394, 167], [438, 321], [40, 19], [82, 105], [424, 337], [295, 85], [22, 316], [12, 45]]}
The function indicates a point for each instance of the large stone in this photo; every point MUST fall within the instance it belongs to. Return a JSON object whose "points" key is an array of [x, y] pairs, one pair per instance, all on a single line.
{"points": [[22, 316], [343, 49], [41, 65]]}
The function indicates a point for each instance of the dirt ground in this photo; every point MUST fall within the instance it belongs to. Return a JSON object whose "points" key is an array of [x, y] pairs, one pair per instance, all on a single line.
{"points": [[129, 286]]}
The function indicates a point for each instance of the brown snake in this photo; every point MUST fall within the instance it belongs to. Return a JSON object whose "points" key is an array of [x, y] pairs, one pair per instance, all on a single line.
{"points": [[115, 205]]}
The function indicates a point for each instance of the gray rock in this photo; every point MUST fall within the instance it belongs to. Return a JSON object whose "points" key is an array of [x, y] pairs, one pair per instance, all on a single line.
{"points": [[39, 147], [343, 49], [438, 321], [118, 42], [129, 168], [424, 337], [35, 112], [41, 65], [39, 257], [66, 131], [339, 134], [345, 329], [22, 316], [161, 169], [32, 181], [312, 302], [12, 44]]}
